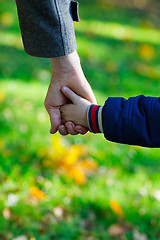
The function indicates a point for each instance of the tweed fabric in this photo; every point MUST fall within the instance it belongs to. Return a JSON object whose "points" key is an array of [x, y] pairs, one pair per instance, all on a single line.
{"points": [[47, 27]]}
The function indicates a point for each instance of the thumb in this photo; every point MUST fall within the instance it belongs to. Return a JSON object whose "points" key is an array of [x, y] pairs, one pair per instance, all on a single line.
{"points": [[69, 94]]}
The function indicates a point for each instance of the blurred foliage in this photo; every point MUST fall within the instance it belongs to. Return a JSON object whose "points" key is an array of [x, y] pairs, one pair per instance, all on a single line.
{"points": [[83, 187]]}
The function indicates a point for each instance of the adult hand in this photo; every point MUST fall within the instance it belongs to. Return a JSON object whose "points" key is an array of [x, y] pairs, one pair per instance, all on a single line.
{"points": [[66, 71]]}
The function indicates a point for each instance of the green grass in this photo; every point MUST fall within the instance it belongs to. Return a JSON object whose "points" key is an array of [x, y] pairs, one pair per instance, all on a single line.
{"points": [[114, 65]]}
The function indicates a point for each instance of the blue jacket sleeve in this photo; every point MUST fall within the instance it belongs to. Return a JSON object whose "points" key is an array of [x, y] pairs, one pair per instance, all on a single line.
{"points": [[135, 121]]}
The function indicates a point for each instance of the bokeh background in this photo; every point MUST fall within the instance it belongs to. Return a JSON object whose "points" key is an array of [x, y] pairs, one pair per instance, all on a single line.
{"points": [[83, 187]]}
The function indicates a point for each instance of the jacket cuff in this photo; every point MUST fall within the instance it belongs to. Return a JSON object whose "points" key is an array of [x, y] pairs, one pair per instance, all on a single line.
{"points": [[94, 117], [47, 27]]}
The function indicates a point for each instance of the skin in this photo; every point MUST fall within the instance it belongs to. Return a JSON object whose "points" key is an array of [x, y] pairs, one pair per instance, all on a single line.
{"points": [[66, 71], [76, 111]]}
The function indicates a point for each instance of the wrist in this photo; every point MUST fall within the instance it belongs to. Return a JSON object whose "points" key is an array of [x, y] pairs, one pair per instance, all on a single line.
{"points": [[86, 123], [94, 118], [66, 64]]}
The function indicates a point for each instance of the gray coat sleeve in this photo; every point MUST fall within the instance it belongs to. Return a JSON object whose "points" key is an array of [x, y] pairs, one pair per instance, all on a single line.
{"points": [[47, 27]]}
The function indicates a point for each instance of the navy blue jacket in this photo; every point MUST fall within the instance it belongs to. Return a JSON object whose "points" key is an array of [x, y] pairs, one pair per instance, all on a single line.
{"points": [[135, 121]]}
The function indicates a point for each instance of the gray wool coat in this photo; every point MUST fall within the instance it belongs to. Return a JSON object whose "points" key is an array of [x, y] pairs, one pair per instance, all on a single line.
{"points": [[47, 26]]}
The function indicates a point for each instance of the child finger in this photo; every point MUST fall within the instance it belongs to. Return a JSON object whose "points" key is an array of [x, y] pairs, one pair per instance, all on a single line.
{"points": [[80, 129], [62, 130], [70, 128], [69, 93]]}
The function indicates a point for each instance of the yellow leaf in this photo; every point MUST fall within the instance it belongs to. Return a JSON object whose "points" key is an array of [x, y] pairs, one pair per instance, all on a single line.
{"points": [[88, 164], [148, 71], [2, 96], [1, 143], [6, 19], [146, 51], [58, 150], [37, 193], [72, 155], [116, 230], [78, 175], [116, 208]]}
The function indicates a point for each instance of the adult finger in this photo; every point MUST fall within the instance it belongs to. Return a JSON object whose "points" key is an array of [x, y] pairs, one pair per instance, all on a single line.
{"points": [[55, 119], [62, 130]]}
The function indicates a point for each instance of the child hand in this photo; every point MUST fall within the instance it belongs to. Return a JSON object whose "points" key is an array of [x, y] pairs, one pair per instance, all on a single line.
{"points": [[75, 111]]}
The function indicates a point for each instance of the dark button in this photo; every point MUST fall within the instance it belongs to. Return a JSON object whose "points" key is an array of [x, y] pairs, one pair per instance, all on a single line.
{"points": [[74, 11]]}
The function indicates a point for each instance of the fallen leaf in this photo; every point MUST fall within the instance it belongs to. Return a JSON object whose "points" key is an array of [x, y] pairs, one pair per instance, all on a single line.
{"points": [[32, 200], [78, 175], [148, 71], [7, 18], [58, 150], [116, 208], [37, 193], [2, 96], [116, 230], [146, 51], [72, 155], [6, 213], [88, 165]]}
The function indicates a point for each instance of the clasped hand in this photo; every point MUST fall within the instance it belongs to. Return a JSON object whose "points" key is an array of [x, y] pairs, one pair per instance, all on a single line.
{"points": [[66, 71]]}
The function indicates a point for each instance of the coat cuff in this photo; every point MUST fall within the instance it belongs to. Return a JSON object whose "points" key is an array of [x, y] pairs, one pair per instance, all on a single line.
{"points": [[47, 27], [94, 117]]}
